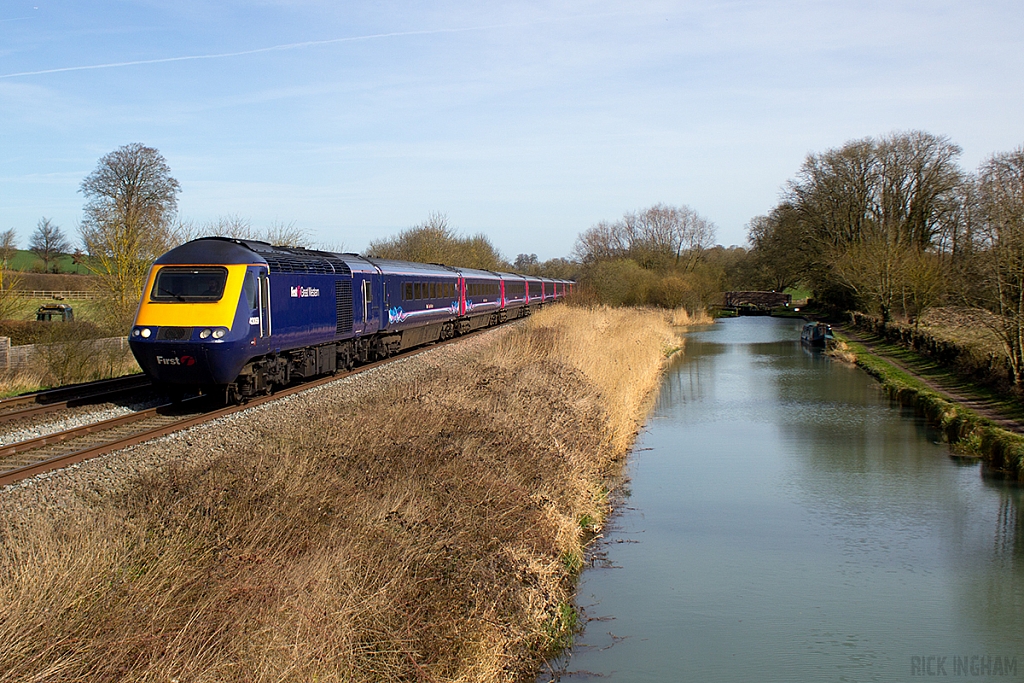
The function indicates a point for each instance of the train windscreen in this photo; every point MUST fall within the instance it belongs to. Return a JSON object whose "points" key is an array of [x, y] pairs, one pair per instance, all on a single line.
{"points": [[190, 285]]}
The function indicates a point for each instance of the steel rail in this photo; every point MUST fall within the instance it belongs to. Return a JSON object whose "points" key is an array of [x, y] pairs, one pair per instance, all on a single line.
{"points": [[53, 400], [31, 469]]}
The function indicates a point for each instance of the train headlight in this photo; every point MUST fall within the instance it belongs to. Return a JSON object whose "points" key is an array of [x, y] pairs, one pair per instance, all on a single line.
{"points": [[205, 334], [135, 332], [146, 332], [219, 332]]}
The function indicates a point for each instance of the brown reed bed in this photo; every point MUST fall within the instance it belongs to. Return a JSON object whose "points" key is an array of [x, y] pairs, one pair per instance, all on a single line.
{"points": [[427, 528]]}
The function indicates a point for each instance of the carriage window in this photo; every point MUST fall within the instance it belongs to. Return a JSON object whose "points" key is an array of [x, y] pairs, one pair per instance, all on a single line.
{"points": [[416, 291], [408, 291], [190, 285]]}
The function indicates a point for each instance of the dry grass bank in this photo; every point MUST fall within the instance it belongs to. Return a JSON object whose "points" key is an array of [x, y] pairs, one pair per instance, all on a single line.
{"points": [[428, 530], [67, 362], [683, 317]]}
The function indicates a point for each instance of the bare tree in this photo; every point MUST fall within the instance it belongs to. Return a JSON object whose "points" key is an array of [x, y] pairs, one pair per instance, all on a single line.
{"points": [[778, 250], [286, 234], [237, 227], [658, 237], [875, 268], [8, 279], [8, 246], [525, 263], [48, 242], [833, 195], [877, 199], [602, 242], [131, 202], [924, 283], [435, 241], [186, 230], [999, 252]]}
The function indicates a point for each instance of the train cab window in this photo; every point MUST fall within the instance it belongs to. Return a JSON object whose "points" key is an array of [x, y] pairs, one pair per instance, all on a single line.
{"points": [[189, 285]]}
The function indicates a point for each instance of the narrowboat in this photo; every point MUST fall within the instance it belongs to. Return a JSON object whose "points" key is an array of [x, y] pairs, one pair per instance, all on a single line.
{"points": [[816, 334]]}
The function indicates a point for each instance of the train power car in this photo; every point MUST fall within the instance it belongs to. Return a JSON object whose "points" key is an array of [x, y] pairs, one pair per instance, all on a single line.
{"points": [[242, 316]]}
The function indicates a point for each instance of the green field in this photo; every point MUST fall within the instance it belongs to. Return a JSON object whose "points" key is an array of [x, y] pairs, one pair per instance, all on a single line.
{"points": [[85, 310], [799, 293], [28, 262]]}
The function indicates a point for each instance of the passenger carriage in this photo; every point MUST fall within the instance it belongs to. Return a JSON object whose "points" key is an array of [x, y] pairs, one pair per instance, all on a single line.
{"points": [[481, 299], [514, 303], [535, 290]]}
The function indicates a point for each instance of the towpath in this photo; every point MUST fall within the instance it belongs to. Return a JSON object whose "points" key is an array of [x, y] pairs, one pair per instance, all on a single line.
{"points": [[1000, 411]]}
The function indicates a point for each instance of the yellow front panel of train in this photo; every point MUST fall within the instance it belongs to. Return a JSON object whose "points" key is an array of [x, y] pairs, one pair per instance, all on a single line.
{"points": [[165, 312]]}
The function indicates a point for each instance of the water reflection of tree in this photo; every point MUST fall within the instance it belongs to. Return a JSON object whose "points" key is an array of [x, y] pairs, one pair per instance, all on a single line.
{"points": [[864, 463], [1008, 540], [991, 555], [686, 377]]}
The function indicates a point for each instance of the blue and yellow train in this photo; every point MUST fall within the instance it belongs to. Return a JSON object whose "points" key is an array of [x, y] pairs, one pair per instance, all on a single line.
{"points": [[241, 316]]}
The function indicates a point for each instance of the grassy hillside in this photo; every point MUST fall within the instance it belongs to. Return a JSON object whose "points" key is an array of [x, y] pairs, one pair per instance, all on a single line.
{"points": [[27, 262]]}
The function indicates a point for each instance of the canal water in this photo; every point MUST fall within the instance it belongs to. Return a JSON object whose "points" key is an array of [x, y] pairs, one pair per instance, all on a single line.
{"points": [[783, 521]]}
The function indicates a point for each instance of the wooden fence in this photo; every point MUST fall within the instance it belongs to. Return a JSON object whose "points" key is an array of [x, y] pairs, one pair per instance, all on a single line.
{"points": [[56, 294], [20, 357]]}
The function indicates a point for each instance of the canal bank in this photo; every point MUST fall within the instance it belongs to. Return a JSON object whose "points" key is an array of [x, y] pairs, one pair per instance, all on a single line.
{"points": [[974, 425], [786, 522]]}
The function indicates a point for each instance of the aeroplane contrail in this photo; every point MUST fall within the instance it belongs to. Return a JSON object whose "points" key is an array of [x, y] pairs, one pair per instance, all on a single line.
{"points": [[273, 48]]}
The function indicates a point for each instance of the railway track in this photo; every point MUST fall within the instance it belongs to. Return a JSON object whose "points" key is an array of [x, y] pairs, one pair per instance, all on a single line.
{"points": [[54, 400], [46, 453]]}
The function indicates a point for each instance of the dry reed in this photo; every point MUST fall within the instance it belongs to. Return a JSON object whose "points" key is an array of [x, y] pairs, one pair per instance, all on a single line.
{"points": [[427, 530], [682, 317]]}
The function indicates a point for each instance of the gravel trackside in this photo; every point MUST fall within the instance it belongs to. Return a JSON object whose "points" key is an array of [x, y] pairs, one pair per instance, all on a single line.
{"points": [[73, 487]]}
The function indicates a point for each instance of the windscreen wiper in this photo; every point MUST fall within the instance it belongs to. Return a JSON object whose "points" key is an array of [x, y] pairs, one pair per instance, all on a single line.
{"points": [[179, 297]]}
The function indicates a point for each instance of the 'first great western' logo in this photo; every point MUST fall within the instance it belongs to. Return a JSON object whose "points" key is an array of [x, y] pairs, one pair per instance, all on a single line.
{"points": [[304, 292], [187, 361]]}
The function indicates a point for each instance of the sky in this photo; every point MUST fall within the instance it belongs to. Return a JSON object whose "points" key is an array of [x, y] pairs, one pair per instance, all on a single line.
{"points": [[528, 122]]}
